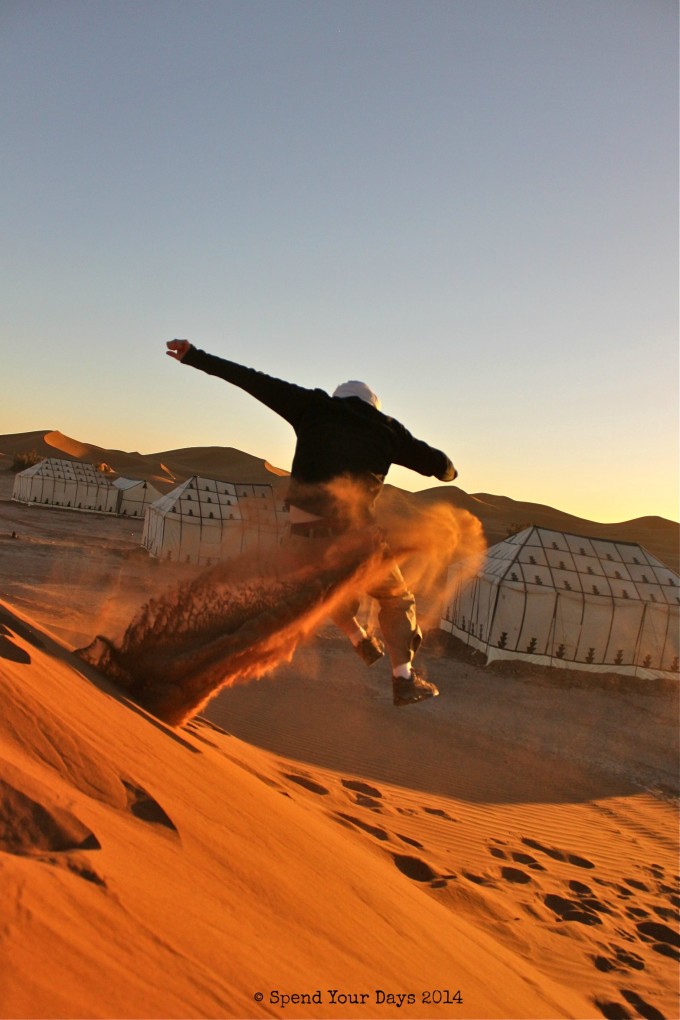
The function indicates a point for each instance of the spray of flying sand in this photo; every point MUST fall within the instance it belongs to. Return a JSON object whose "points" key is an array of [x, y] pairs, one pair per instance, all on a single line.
{"points": [[241, 619]]}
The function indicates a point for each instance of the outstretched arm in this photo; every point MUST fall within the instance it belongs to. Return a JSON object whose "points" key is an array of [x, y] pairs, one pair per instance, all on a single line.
{"points": [[419, 456], [284, 398]]}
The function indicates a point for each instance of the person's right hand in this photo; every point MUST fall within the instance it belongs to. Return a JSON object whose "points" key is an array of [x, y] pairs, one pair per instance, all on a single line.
{"points": [[177, 348]]}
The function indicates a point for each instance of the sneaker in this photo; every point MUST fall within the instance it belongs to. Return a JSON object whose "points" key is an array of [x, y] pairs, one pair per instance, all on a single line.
{"points": [[409, 690], [370, 649]]}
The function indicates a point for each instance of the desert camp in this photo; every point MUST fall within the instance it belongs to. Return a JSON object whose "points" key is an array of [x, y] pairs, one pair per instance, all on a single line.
{"points": [[200, 521], [77, 485], [570, 601], [204, 520], [70, 484]]}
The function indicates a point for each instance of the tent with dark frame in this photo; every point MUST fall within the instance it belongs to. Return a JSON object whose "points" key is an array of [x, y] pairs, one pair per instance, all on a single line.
{"points": [[78, 485], [205, 520], [68, 484], [568, 601]]}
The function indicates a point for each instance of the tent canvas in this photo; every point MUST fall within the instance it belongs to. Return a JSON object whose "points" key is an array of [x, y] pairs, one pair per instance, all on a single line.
{"points": [[70, 484], [569, 601], [134, 496], [205, 520]]}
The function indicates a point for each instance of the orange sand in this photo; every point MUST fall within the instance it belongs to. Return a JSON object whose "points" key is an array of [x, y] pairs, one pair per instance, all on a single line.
{"points": [[514, 840]]}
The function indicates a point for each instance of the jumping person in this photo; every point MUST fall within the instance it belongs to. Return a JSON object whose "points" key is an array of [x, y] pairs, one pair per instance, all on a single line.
{"points": [[344, 442]]}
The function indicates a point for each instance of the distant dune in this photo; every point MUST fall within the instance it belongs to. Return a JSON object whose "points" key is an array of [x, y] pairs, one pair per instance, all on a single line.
{"points": [[499, 514], [166, 468]]}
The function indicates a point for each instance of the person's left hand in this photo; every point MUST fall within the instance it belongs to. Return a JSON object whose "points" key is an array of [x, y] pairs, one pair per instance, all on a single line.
{"points": [[177, 349]]}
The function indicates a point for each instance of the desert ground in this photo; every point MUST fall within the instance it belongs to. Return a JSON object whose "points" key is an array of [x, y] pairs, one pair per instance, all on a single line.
{"points": [[304, 849]]}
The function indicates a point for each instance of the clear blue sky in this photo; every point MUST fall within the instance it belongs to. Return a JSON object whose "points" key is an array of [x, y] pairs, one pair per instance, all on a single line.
{"points": [[470, 204]]}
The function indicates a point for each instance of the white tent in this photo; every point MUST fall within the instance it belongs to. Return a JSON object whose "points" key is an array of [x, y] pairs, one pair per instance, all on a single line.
{"points": [[563, 600], [135, 496], [204, 520], [68, 484]]}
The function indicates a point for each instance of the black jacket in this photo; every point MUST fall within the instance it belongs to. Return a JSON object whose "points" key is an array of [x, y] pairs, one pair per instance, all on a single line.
{"points": [[337, 437]]}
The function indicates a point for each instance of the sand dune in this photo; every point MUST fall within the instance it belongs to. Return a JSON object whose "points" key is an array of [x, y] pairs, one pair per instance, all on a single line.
{"points": [[496, 512], [514, 840], [63, 444], [167, 467], [149, 872]]}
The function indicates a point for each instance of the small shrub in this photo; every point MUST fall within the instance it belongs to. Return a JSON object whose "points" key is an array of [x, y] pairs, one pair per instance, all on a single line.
{"points": [[25, 460]]}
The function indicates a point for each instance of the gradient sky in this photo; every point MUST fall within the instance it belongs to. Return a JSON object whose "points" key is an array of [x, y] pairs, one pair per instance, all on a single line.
{"points": [[470, 204]]}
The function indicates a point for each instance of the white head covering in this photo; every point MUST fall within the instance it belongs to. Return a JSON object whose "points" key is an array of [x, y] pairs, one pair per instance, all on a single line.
{"points": [[354, 388]]}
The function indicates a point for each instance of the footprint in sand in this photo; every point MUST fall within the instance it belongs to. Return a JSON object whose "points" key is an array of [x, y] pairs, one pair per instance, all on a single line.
{"points": [[478, 879], [572, 910], [637, 913], [645, 1009], [527, 859], [516, 876], [368, 802], [439, 813], [415, 868], [664, 940], [634, 884], [558, 855], [612, 1010], [586, 904], [76, 865], [411, 842], [617, 1011], [145, 807], [372, 830], [46, 832], [588, 898], [666, 913], [366, 795], [28, 827], [307, 783], [358, 787], [518, 857], [622, 960]]}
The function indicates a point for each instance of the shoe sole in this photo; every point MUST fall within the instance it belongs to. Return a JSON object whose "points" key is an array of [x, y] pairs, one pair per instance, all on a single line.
{"points": [[399, 703]]}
